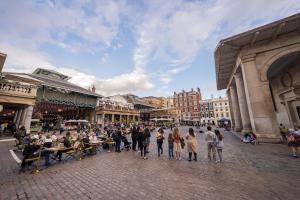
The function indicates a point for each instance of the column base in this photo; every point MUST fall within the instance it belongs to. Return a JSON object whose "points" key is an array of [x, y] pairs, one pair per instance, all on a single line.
{"points": [[268, 138], [246, 131], [237, 129]]}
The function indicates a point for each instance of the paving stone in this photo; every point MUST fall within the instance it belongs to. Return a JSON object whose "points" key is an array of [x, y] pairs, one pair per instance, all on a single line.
{"points": [[264, 171]]}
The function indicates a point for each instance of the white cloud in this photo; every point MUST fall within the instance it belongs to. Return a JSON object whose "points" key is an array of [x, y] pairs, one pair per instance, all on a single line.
{"points": [[20, 60], [169, 33]]}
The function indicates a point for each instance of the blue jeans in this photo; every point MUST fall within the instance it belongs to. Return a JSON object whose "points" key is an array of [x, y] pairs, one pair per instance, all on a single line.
{"points": [[159, 148], [171, 152]]}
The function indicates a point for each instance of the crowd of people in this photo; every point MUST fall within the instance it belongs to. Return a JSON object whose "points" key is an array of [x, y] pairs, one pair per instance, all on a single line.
{"points": [[176, 142], [136, 138]]}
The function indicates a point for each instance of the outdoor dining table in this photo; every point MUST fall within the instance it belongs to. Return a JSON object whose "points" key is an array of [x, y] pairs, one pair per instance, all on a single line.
{"points": [[96, 144], [56, 148], [110, 144]]}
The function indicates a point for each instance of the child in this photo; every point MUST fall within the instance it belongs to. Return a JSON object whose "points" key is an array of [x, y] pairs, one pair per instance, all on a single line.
{"points": [[219, 144], [171, 146]]}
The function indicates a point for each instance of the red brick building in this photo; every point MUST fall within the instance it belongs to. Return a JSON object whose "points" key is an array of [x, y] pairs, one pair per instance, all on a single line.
{"points": [[189, 105]]}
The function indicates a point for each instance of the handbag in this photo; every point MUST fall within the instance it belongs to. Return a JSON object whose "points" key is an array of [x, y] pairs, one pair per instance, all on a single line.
{"points": [[182, 143], [291, 138]]}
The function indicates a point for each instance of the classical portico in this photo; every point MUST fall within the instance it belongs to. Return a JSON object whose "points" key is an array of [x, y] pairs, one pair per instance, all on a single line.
{"points": [[17, 96], [260, 69]]}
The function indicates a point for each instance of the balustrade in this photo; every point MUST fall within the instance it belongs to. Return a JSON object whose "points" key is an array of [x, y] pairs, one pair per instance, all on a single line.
{"points": [[15, 88]]}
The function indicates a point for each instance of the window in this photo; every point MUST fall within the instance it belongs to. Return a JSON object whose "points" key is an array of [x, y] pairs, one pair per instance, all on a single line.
{"points": [[227, 115], [211, 115], [216, 109], [226, 109], [221, 109], [217, 115], [222, 115], [220, 104], [225, 104]]}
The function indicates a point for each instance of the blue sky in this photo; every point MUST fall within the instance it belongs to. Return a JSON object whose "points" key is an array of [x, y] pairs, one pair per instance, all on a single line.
{"points": [[151, 47]]}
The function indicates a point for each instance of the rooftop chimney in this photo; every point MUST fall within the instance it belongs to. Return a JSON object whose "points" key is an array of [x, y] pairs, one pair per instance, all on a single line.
{"points": [[93, 89]]}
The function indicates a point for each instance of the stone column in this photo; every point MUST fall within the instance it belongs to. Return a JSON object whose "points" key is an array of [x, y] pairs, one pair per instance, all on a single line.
{"points": [[92, 116], [28, 117], [103, 120], [242, 102], [23, 116], [261, 110], [19, 117], [127, 120], [113, 118], [16, 116], [230, 109], [235, 109]]}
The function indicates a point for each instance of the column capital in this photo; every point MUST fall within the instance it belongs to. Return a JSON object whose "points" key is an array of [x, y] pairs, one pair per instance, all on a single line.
{"points": [[248, 58]]}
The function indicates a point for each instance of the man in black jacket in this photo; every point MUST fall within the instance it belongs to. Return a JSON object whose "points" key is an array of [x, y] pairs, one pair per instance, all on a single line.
{"points": [[30, 151], [117, 136], [134, 137]]}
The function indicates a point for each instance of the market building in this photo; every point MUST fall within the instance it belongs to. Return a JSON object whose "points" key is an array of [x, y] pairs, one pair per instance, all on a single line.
{"points": [[139, 104], [116, 109], [260, 69], [157, 102], [167, 114], [188, 103], [51, 98]]}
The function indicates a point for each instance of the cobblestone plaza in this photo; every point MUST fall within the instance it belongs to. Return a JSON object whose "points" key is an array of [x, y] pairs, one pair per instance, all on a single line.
{"points": [[264, 171]]}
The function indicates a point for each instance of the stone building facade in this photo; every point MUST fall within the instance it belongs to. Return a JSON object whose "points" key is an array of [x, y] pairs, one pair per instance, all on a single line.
{"points": [[17, 97], [260, 69], [206, 111], [188, 103], [115, 109], [213, 110]]}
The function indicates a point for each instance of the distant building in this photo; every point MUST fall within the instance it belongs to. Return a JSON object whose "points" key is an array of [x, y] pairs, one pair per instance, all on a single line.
{"points": [[116, 109], [214, 110], [221, 109], [139, 104], [157, 102], [169, 102], [167, 114], [188, 103], [207, 112]]}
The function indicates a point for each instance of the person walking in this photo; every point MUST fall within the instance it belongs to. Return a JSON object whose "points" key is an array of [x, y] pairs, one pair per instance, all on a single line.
{"points": [[159, 139], [134, 137], [140, 137], [145, 143], [219, 144], [191, 144], [117, 136], [177, 143], [171, 146], [210, 138], [293, 139]]}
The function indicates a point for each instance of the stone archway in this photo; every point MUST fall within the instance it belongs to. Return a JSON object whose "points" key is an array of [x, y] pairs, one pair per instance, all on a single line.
{"points": [[274, 57], [283, 75]]}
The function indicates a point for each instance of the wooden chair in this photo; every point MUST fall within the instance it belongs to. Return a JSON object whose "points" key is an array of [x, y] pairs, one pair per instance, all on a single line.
{"points": [[35, 161], [70, 153]]}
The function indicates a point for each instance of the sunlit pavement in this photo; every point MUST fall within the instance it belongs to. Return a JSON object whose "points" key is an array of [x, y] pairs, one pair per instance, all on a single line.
{"points": [[265, 171]]}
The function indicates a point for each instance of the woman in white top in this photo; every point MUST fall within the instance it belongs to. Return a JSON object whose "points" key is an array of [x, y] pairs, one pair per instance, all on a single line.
{"points": [[219, 144], [191, 144]]}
